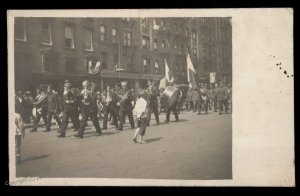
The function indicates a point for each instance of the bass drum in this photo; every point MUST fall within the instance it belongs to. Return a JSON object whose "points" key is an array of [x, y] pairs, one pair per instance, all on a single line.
{"points": [[172, 94]]}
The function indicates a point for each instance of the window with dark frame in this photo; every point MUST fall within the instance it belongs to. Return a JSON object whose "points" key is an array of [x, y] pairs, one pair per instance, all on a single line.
{"points": [[146, 42], [127, 38], [49, 62], [146, 64], [20, 29], [155, 44], [194, 53], [163, 44], [70, 64], [102, 33], [104, 60], [69, 37], [88, 40], [156, 66], [145, 22], [114, 35], [46, 33]]}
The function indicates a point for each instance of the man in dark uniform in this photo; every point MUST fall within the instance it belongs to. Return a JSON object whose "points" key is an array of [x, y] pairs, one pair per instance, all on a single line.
{"points": [[110, 107], [125, 106], [53, 108], [152, 94], [215, 97], [69, 109], [222, 96], [40, 105], [89, 109], [173, 107]]}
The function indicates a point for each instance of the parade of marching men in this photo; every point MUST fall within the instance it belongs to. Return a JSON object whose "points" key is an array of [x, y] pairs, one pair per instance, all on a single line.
{"points": [[89, 77]]}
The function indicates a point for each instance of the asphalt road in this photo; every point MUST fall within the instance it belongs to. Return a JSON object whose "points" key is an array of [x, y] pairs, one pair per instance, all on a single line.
{"points": [[196, 148]]}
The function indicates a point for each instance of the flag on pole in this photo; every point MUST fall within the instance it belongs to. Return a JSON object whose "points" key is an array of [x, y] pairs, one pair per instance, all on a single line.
{"points": [[191, 73], [168, 74], [168, 77]]}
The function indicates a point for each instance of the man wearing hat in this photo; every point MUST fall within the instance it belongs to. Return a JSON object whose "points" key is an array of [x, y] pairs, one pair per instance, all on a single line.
{"points": [[53, 108], [69, 109], [125, 105], [110, 100], [221, 96], [153, 93], [40, 108], [89, 109]]}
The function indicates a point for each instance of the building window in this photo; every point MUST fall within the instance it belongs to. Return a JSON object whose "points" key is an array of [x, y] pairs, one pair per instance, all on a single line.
{"points": [[146, 64], [146, 42], [114, 35], [69, 37], [20, 29], [88, 40], [126, 38], [46, 33], [145, 22], [155, 43], [194, 35], [104, 60], [163, 44], [48, 63], [70, 65], [156, 66], [194, 53], [102, 33], [116, 60]]}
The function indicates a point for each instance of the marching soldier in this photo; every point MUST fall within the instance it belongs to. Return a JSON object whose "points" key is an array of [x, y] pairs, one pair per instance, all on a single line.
{"points": [[210, 96], [152, 93], [190, 99], [110, 107], [125, 106], [222, 96], [196, 99], [203, 99], [69, 109], [215, 97], [40, 109], [89, 109], [53, 108]]}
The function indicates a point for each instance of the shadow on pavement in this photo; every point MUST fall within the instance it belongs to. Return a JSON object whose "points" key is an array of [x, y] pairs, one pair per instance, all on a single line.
{"points": [[35, 158], [153, 139], [108, 133]]}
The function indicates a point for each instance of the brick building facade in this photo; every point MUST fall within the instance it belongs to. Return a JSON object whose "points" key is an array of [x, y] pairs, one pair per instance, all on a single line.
{"points": [[50, 50]]}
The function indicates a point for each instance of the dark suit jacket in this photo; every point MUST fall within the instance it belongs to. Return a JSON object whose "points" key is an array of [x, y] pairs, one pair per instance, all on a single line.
{"points": [[126, 105]]}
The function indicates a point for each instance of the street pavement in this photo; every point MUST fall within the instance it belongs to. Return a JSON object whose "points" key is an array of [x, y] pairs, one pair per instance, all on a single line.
{"points": [[198, 147]]}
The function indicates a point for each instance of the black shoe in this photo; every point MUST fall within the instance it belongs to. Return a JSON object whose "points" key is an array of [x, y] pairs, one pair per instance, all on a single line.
{"points": [[177, 120], [104, 128], [199, 113], [61, 135], [33, 130], [99, 133], [167, 121], [79, 135], [119, 129]]}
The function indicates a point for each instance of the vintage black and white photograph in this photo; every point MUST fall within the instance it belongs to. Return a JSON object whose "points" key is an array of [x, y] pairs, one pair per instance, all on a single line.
{"points": [[123, 97]]}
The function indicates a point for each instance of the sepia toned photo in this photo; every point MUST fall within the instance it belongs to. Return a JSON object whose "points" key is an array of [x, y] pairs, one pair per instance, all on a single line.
{"points": [[130, 98]]}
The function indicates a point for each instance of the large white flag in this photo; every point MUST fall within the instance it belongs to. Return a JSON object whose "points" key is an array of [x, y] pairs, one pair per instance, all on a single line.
{"points": [[191, 73], [168, 77], [167, 72]]}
